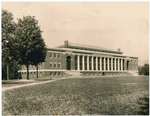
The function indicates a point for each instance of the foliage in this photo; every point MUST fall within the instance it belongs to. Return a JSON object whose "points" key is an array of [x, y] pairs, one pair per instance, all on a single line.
{"points": [[8, 28], [144, 70], [13, 71], [28, 47]]}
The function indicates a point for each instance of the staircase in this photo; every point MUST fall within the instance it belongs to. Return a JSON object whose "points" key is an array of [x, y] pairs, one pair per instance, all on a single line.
{"points": [[133, 73], [73, 73]]}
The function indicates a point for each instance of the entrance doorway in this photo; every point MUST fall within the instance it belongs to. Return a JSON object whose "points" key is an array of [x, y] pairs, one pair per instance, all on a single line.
{"points": [[68, 63]]}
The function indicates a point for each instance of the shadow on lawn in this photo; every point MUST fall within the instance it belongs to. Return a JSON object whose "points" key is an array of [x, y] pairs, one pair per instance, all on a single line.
{"points": [[14, 82], [22, 82], [144, 103]]}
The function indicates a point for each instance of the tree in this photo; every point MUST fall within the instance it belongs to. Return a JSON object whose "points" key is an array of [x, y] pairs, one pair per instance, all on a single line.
{"points": [[144, 70], [8, 28], [14, 74], [29, 47]]}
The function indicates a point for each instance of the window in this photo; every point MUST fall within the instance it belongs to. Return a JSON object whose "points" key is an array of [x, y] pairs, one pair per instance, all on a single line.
{"points": [[94, 58], [109, 63], [80, 62], [54, 74], [76, 62], [90, 63], [59, 56], [51, 73], [102, 63], [117, 64], [85, 64], [58, 73], [98, 63], [51, 64], [55, 55], [51, 55], [59, 65], [106, 60], [55, 64], [113, 64]]}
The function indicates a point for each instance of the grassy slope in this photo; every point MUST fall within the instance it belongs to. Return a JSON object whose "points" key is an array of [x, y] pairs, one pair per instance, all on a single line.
{"points": [[110, 95]]}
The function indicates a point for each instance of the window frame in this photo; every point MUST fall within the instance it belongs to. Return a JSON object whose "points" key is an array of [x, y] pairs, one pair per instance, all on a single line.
{"points": [[56, 56], [50, 64], [60, 56], [50, 55], [54, 64], [59, 63]]}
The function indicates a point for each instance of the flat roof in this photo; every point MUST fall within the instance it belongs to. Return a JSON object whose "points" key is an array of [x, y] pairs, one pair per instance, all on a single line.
{"points": [[87, 47]]}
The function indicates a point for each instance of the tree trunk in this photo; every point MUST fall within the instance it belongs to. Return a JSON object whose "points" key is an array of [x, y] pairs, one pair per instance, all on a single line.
{"points": [[27, 72], [37, 71], [7, 71]]}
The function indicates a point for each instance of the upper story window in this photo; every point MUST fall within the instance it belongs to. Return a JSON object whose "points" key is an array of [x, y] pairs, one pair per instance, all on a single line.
{"points": [[51, 55], [59, 56], [55, 55]]}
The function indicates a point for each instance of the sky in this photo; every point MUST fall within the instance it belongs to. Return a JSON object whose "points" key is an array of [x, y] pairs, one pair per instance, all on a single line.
{"points": [[110, 25]]}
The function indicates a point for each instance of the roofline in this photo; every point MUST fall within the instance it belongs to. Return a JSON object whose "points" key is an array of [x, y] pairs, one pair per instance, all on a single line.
{"points": [[76, 50], [60, 46]]}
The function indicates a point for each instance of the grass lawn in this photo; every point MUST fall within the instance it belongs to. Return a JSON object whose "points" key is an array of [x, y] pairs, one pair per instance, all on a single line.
{"points": [[80, 96]]}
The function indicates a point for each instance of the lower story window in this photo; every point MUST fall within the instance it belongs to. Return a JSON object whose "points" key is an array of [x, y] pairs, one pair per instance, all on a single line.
{"points": [[55, 65], [51, 73], [51, 64], [59, 64]]}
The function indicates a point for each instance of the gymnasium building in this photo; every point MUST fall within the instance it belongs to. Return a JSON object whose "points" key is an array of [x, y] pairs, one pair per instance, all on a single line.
{"points": [[72, 59]]}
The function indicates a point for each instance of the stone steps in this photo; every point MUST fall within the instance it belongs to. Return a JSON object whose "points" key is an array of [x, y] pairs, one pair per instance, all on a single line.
{"points": [[133, 73], [73, 73]]}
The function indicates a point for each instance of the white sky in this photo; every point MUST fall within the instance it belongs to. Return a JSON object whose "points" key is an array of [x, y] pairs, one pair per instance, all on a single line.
{"points": [[110, 25]]}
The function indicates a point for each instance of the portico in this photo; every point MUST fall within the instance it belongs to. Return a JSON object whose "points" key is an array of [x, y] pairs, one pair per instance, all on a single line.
{"points": [[98, 63]]}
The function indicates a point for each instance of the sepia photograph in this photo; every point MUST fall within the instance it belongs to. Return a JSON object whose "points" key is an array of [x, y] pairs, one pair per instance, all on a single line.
{"points": [[75, 58]]}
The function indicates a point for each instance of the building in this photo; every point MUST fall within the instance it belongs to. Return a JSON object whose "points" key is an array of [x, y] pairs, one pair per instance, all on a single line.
{"points": [[76, 59]]}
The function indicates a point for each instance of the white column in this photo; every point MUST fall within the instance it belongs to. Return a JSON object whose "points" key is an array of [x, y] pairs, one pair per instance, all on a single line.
{"points": [[121, 64], [92, 63], [78, 62], [111, 64], [115, 64], [118, 65], [104, 64], [100, 63], [83, 64], [96, 63], [87, 62], [108, 63]]}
